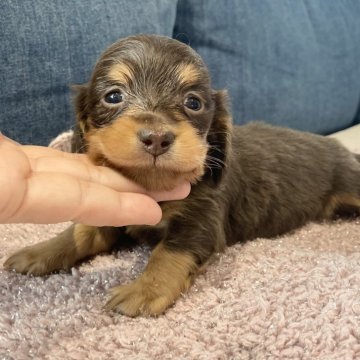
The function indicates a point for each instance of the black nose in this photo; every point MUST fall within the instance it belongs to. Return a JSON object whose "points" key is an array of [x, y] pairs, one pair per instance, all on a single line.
{"points": [[156, 142]]}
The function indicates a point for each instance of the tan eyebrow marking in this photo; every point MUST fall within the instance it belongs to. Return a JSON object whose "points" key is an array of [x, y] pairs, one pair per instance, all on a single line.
{"points": [[120, 72], [188, 73]]}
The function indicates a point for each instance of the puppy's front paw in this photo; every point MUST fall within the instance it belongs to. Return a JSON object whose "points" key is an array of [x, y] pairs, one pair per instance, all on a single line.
{"points": [[37, 260], [166, 276], [27, 261], [139, 298], [60, 252]]}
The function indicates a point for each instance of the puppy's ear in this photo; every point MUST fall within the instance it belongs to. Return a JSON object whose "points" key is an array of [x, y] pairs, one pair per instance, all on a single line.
{"points": [[81, 107], [219, 138]]}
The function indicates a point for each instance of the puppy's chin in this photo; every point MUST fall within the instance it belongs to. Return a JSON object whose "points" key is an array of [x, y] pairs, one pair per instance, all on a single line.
{"points": [[152, 177], [158, 179]]}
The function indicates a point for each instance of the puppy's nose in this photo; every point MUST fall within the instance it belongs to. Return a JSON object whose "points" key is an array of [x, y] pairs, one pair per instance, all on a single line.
{"points": [[156, 142]]}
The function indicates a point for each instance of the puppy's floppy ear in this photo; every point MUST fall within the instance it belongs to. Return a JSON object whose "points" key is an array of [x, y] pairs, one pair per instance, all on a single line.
{"points": [[81, 107], [219, 138]]}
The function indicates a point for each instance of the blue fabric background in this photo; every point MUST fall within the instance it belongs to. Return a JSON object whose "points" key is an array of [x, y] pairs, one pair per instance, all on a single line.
{"points": [[293, 63]]}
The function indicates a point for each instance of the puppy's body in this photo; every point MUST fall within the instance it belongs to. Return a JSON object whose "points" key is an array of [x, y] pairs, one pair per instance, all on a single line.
{"points": [[276, 180], [279, 179], [163, 123]]}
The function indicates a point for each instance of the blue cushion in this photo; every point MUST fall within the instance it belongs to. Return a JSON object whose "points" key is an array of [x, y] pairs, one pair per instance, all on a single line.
{"points": [[292, 63], [47, 45]]}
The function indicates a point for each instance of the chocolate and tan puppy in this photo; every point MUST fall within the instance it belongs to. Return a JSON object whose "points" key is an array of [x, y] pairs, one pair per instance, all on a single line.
{"points": [[149, 112]]}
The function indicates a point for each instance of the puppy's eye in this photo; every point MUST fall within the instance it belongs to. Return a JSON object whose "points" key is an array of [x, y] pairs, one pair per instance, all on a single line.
{"points": [[114, 97], [192, 103]]}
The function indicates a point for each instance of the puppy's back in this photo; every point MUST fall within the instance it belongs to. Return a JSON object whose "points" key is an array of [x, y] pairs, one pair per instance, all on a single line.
{"points": [[281, 178]]}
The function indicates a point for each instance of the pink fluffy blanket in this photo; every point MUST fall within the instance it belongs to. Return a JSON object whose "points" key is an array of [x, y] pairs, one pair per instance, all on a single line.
{"points": [[293, 297]]}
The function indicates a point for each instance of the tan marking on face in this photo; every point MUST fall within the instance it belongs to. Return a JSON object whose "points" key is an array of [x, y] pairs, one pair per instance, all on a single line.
{"points": [[120, 73], [188, 73], [192, 148], [82, 125], [119, 144]]}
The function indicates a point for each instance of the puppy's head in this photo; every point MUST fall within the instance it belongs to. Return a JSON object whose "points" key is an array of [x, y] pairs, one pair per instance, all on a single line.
{"points": [[150, 113]]}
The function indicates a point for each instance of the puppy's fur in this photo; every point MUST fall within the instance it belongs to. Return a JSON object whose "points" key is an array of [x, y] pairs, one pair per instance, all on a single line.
{"points": [[249, 181]]}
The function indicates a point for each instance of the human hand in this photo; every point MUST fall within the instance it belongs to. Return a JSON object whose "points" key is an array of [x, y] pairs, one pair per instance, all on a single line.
{"points": [[44, 185]]}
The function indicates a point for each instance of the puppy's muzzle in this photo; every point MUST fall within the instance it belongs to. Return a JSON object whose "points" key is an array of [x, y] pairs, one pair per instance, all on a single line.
{"points": [[156, 142]]}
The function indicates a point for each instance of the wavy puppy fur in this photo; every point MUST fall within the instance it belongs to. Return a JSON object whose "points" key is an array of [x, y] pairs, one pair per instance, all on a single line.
{"points": [[149, 112]]}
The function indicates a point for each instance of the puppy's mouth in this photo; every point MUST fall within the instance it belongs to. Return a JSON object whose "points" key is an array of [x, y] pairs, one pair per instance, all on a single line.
{"points": [[157, 178], [157, 159]]}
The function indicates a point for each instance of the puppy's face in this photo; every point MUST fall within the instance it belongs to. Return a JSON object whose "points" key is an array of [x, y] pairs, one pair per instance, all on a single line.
{"points": [[147, 111]]}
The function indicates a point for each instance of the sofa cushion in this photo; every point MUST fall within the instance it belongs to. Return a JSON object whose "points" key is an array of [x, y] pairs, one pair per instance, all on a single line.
{"points": [[291, 63]]}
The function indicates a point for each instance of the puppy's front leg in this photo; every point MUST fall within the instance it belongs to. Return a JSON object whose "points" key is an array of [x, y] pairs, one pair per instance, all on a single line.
{"points": [[168, 273], [62, 251]]}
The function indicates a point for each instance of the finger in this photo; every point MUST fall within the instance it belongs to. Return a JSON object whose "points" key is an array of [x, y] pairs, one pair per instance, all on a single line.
{"points": [[86, 171], [104, 176], [53, 198], [35, 152]]}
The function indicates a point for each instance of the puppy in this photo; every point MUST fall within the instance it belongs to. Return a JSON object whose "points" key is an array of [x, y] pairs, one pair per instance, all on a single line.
{"points": [[150, 113]]}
